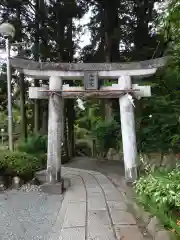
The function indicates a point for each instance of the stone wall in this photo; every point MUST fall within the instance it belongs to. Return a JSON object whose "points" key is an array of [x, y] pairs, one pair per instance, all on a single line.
{"points": [[152, 224], [114, 155], [156, 160], [147, 160]]}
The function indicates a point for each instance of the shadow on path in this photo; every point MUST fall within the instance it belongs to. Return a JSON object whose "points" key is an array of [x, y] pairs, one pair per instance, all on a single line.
{"points": [[105, 167]]}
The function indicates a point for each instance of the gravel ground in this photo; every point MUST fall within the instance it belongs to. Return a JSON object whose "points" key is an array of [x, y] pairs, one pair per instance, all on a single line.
{"points": [[27, 214]]}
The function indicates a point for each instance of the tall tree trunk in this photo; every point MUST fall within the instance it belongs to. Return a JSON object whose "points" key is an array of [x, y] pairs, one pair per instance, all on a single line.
{"points": [[21, 80], [71, 118], [61, 23], [44, 122], [110, 25], [144, 47], [70, 102], [36, 112], [107, 102], [23, 108], [66, 149], [36, 58], [60, 31], [43, 57]]}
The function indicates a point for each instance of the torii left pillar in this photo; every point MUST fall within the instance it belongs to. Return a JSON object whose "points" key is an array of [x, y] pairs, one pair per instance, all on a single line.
{"points": [[55, 131], [54, 182]]}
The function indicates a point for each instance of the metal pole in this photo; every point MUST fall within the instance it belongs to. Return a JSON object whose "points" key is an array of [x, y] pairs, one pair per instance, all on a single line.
{"points": [[10, 120]]}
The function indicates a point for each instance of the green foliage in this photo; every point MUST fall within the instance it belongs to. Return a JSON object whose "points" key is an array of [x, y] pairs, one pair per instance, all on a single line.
{"points": [[162, 188], [54, 37], [19, 164], [35, 144], [3, 120], [106, 134], [169, 22], [159, 192], [89, 117], [94, 136], [43, 159], [159, 128], [87, 120], [161, 131]]}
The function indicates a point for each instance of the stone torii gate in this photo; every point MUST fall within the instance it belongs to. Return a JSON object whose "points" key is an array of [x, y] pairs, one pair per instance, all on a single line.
{"points": [[125, 90]]}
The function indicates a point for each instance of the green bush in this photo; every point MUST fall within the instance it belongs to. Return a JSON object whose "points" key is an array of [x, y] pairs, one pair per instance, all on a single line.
{"points": [[159, 192], [161, 187], [19, 164], [107, 135], [35, 144], [43, 159]]}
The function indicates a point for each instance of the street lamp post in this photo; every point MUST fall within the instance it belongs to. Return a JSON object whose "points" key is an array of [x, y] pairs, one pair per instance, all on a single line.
{"points": [[8, 31]]}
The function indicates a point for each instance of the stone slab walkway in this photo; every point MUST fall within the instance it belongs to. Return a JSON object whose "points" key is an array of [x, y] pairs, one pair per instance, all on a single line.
{"points": [[92, 208]]}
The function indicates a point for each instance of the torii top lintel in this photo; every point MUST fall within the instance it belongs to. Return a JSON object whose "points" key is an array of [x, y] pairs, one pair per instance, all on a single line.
{"points": [[76, 70]]}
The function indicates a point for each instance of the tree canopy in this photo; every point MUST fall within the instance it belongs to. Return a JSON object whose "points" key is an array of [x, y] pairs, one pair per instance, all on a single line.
{"points": [[120, 31]]}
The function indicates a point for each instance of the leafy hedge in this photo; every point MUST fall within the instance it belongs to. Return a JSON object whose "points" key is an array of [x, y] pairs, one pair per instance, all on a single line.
{"points": [[107, 135], [159, 192], [34, 144], [19, 164]]}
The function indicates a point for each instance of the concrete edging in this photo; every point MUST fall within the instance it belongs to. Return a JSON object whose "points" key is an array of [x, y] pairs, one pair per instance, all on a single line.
{"points": [[152, 224]]}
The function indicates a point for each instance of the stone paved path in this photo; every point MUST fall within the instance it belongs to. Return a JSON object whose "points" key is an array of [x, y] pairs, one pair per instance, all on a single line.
{"points": [[91, 209]]}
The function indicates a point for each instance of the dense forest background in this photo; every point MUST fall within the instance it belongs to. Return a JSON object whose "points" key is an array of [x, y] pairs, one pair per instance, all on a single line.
{"points": [[120, 31]]}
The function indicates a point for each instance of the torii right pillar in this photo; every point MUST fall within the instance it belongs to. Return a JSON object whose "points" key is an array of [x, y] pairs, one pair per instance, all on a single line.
{"points": [[128, 131]]}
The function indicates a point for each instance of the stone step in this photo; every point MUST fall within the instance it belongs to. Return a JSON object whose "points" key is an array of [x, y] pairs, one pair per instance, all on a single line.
{"points": [[41, 176]]}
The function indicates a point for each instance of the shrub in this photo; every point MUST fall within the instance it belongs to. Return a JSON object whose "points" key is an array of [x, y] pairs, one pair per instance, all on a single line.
{"points": [[35, 144], [107, 135], [43, 159], [19, 164], [161, 187], [159, 192]]}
